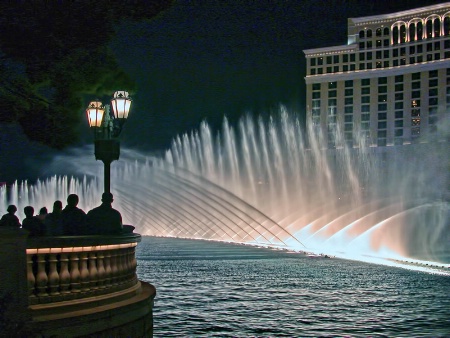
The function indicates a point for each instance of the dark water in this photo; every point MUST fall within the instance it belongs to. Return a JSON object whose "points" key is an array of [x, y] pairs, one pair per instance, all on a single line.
{"points": [[211, 289]]}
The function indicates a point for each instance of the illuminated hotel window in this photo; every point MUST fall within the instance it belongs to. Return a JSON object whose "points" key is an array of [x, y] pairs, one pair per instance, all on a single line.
{"points": [[320, 61], [403, 61], [378, 43], [378, 64], [332, 85]]}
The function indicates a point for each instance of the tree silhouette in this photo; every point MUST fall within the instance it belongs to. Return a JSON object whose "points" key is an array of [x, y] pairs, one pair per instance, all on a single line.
{"points": [[54, 52]]}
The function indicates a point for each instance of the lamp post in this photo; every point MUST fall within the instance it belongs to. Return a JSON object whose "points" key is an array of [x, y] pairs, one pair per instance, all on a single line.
{"points": [[106, 127]]}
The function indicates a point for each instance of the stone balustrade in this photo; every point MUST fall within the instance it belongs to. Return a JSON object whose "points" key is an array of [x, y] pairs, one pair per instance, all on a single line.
{"points": [[68, 268], [72, 286]]}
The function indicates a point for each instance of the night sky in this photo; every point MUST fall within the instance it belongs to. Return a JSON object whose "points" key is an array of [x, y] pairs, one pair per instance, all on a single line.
{"points": [[203, 60]]}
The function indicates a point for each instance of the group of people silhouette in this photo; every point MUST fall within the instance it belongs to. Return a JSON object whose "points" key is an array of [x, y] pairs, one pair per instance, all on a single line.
{"points": [[70, 221]]}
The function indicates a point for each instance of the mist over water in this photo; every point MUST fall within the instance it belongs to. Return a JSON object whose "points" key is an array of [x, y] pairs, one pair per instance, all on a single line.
{"points": [[268, 182]]}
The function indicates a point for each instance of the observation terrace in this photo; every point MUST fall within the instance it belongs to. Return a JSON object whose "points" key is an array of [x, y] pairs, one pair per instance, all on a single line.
{"points": [[72, 286]]}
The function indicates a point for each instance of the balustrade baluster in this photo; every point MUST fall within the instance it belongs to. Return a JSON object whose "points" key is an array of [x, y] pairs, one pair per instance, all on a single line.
{"points": [[108, 269], [53, 277], [75, 272], [84, 271], [41, 278], [114, 267], [101, 269], [30, 276], [93, 272], [64, 275]]}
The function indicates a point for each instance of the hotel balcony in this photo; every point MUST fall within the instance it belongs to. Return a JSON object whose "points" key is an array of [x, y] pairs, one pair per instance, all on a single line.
{"points": [[75, 286]]}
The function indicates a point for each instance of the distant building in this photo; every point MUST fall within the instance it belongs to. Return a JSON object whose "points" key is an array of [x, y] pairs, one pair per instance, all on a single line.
{"points": [[390, 83]]}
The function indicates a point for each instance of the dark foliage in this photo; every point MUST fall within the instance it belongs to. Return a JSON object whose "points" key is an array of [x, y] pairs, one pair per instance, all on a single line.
{"points": [[54, 52]]}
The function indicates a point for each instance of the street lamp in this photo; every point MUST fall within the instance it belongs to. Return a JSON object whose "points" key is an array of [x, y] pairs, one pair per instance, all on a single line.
{"points": [[106, 127]]}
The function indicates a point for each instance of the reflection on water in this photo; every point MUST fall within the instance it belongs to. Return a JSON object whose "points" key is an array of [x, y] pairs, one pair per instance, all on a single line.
{"points": [[212, 289]]}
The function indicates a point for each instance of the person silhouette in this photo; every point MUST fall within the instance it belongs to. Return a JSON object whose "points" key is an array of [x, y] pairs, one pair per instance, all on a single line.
{"points": [[53, 225], [104, 219], [32, 223], [73, 219], [10, 219]]}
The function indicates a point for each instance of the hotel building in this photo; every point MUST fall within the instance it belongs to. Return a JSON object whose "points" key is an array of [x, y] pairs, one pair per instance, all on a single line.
{"points": [[390, 84]]}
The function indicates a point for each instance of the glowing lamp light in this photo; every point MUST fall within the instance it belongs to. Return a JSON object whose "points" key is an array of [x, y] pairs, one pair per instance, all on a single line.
{"points": [[94, 113], [121, 103]]}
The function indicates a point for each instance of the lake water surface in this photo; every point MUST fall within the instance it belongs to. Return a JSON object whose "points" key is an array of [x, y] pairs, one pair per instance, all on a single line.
{"points": [[214, 289]]}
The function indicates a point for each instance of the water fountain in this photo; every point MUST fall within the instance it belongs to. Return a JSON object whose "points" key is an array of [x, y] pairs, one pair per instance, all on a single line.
{"points": [[266, 182]]}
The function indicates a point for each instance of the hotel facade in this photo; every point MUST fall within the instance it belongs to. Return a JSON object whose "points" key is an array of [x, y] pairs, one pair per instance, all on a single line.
{"points": [[390, 85]]}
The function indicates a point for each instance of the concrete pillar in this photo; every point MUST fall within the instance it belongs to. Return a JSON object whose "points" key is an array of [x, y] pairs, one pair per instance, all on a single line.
{"points": [[13, 279]]}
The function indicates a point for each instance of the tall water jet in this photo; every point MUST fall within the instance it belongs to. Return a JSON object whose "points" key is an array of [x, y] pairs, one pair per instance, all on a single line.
{"points": [[268, 182]]}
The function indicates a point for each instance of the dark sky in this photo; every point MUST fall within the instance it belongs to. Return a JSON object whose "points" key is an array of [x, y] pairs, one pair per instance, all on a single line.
{"points": [[206, 59]]}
